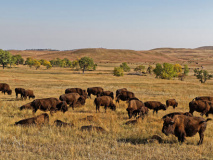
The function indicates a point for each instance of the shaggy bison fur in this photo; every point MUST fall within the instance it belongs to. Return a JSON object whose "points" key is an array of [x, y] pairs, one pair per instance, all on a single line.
{"points": [[185, 126], [5, 88], [125, 95], [171, 102], [105, 101], [20, 91], [118, 91], [108, 93]]}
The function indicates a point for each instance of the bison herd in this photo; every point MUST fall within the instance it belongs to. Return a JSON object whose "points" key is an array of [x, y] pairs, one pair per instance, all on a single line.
{"points": [[179, 124]]}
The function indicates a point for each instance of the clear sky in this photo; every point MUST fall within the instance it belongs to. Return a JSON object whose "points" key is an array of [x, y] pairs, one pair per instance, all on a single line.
{"points": [[118, 24]]}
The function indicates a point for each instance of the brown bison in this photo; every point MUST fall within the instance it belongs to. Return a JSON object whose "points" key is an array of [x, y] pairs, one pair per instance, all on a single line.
{"points": [[72, 99], [171, 115], [26, 106], [29, 93], [155, 105], [204, 98], [49, 104], [171, 102], [136, 107], [108, 93], [199, 106], [105, 101], [94, 91], [184, 126], [60, 123], [125, 95], [118, 91], [77, 90], [91, 127], [4, 87], [38, 120], [20, 91]]}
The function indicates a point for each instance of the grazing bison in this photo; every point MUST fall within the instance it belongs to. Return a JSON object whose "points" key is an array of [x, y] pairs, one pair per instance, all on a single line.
{"points": [[38, 120], [204, 98], [29, 93], [171, 102], [105, 101], [60, 123], [171, 115], [77, 90], [20, 91], [49, 104], [185, 126], [72, 99], [94, 91], [118, 91], [136, 107], [125, 95], [155, 105], [4, 87], [199, 106], [91, 127], [108, 93]]}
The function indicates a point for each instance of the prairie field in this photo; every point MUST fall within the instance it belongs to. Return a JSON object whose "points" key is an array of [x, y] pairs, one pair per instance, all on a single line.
{"points": [[120, 141]]}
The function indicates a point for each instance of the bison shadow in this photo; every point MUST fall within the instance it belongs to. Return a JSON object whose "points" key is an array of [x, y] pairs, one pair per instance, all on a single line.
{"points": [[136, 141]]}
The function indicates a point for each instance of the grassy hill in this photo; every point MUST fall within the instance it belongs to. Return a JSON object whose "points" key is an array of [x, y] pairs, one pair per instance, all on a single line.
{"points": [[199, 56]]}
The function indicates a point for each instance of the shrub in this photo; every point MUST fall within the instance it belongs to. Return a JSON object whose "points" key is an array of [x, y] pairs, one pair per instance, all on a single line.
{"points": [[118, 71], [125, 67]]}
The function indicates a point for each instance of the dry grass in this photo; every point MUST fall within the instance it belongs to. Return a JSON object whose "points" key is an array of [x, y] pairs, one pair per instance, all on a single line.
{"points": [[121, 141]]}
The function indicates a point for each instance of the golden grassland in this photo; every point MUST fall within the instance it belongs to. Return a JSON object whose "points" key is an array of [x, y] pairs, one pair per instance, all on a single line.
{"points": [[121, 141]]}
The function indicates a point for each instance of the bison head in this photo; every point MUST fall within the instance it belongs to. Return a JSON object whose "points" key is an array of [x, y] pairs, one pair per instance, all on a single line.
{"points": [[175, 105], [62, 106], [163, 107], [9, 92], [168, 126], [81, 100], [113, 107]]}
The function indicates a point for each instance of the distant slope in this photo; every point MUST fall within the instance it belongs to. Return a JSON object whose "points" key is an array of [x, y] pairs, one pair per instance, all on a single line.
{"points": [[158, 55], [205, 48]]}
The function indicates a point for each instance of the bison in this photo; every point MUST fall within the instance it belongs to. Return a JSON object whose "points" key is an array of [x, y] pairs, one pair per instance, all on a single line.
{"points": [[125, 95], [72, 99], [136, 107], [171, 102], [60, 123], [94, 91], [77, 90], [20, 91], [105, 101], [185, 126], [199, 106], [204, 98], [49, 104], [29, 93], [4, 87], [155, 105], [108, 93], [38, 120], [118, 91], [26, 106]]}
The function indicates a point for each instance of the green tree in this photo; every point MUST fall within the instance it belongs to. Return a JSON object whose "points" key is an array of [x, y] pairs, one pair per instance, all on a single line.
{"points": [[149, 69], [12, 61], [29, 61], [5, 58], [186, 69], [158, 70], [85, 63], [140, 68], [118, 71], [168, 71], [125, 67], [202, 75], [19, 59]]}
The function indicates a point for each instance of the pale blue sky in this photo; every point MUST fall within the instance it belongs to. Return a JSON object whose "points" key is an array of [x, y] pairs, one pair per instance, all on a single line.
{"points": [[119, 24]]}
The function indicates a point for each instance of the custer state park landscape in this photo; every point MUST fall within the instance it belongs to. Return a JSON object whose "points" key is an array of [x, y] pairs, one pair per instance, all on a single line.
{"points": [[119, 140]]}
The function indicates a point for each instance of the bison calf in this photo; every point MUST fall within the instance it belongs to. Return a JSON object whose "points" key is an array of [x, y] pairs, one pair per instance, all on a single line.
{"points": [[155, 105], [29, 93], [105, 101], [185, 126], [171, 102], [38, 120]]}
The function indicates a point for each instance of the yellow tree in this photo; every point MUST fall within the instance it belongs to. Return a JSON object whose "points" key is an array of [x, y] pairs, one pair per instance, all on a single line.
{"points": [[47, 64], [178, 69], [36, 63]]}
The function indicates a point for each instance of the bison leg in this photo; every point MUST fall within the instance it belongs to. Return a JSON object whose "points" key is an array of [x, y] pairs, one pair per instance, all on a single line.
{"points": [[201, 138], [34, 110], [16, 95], [173, 106], [97, 108]]}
